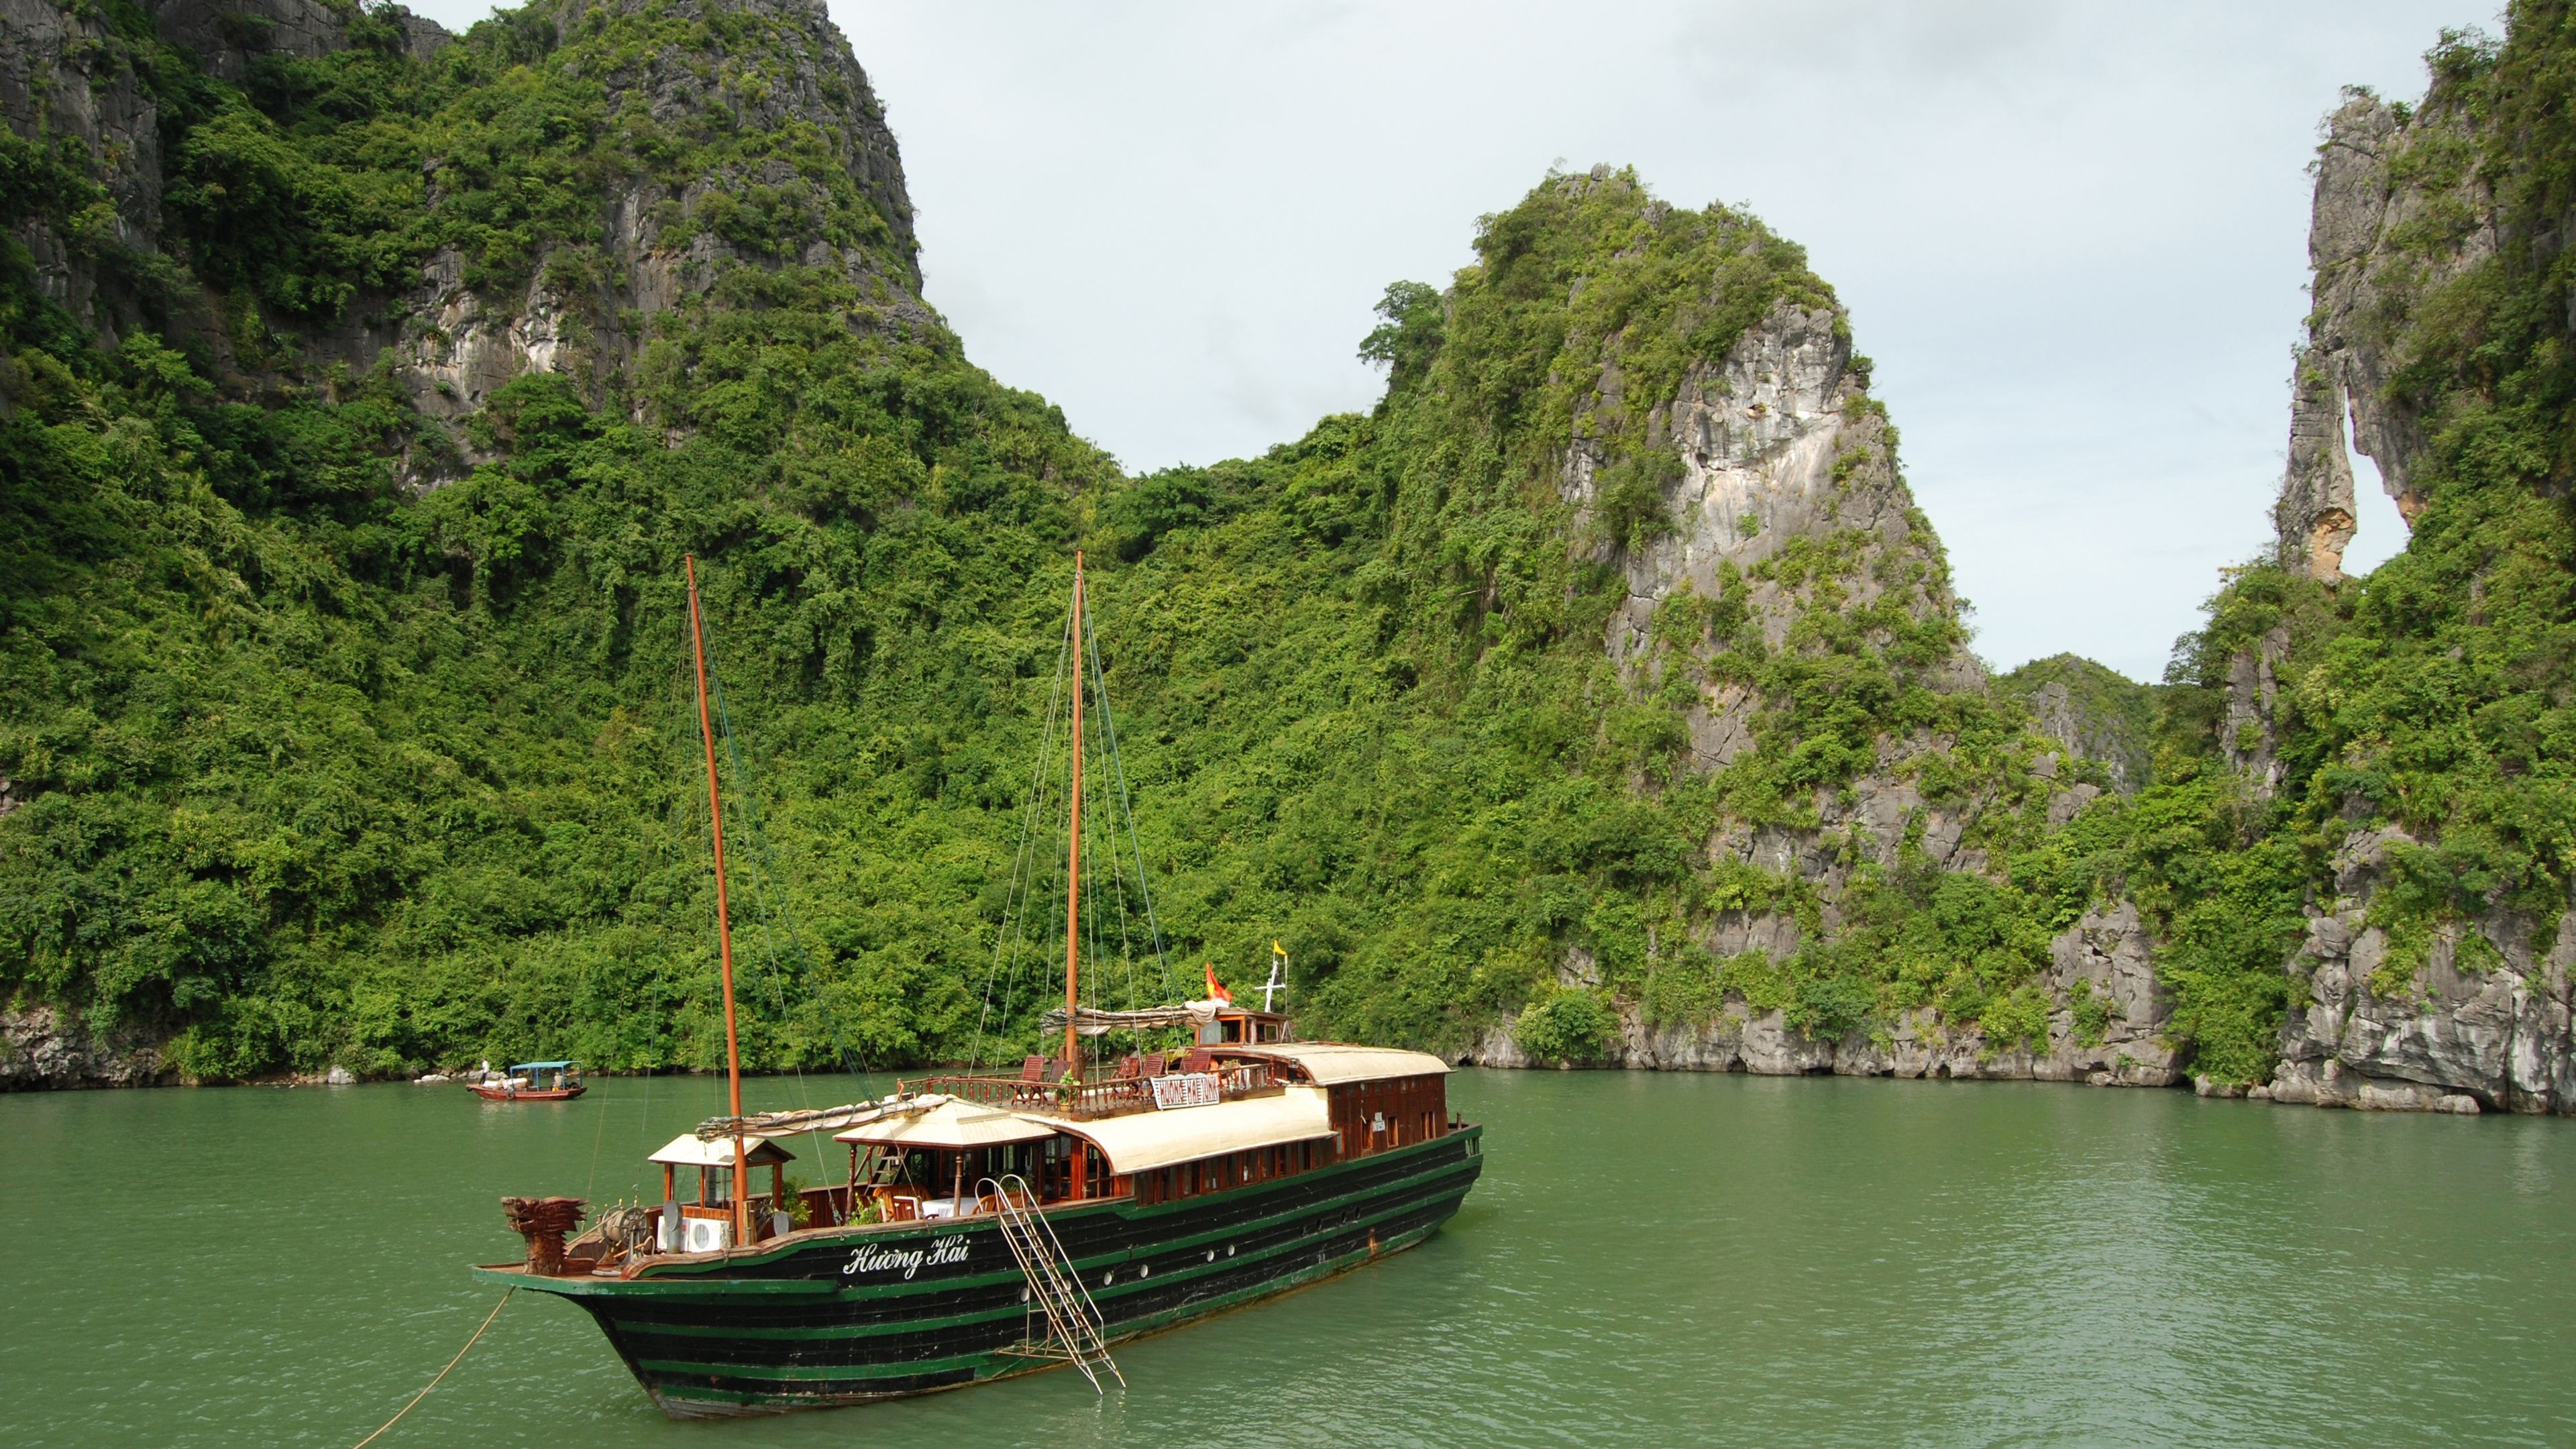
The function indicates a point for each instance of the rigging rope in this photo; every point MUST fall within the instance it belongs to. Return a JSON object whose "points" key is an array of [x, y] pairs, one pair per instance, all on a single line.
{"points": [[1135, 849], [763, 861], [1019, 899], [1046, 815], [442, 1373]]}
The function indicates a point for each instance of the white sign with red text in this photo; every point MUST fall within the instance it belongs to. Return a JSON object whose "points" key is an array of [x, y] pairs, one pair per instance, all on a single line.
{"points": [[1187, 1089]]}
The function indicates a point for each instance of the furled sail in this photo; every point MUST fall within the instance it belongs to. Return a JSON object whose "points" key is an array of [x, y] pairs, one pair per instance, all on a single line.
{"points": [[817, 1119], [1091, 1021]]}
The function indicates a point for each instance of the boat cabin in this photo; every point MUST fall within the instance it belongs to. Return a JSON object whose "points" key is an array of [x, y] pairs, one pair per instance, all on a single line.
{"points": [[705, 1225], [1243, 1026], [1152, 1129]]}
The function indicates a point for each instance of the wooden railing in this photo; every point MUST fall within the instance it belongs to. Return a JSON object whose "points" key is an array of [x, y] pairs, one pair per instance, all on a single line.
{"points": [[1098, 1094]]}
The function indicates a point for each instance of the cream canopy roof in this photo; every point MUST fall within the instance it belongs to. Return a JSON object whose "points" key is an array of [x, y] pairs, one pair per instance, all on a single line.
{"points": [[688, 1151], [1149, 1140], [951, 1124], [1332, 1063]]}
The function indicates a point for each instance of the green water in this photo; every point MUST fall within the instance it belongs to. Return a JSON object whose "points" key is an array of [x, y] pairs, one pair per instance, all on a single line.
{"points": [[1650, 1259]]}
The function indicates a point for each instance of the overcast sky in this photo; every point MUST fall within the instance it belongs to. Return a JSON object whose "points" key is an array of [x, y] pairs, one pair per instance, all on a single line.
{"points": [[2072, 236]]}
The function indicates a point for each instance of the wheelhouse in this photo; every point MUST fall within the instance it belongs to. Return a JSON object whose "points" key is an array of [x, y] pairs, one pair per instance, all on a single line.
{"points": [[705, 1225]]}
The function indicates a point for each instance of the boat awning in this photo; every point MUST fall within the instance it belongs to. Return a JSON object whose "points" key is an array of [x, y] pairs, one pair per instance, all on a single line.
{"points": [[1332, 1063], [542, 1066], [688, 1151], [951, 1124], [1148, 1140]]}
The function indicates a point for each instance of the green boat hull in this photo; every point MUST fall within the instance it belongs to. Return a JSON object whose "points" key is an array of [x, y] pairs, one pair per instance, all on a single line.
{"points": [[848, 1316]]}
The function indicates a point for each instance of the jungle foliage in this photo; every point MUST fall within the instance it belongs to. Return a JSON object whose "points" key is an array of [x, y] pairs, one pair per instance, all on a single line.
{"points": [[303, 767]]}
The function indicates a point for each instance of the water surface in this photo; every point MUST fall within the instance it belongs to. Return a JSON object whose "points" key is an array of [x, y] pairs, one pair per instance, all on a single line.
{"points": [[1649, 1259]]}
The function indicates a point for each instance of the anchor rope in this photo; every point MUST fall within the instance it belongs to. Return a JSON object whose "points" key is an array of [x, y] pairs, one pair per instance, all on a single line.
{"points": [[442, 1373]]}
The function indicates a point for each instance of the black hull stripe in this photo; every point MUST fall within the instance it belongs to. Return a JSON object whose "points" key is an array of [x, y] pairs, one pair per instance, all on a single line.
{"points": [[1128, 1301], [728, 1395], [785, 1330], [1000, 1295]]}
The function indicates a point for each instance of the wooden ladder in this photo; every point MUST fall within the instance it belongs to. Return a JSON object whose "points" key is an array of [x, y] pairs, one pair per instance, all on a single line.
{"points": [[1055, 1287], [880, 1167]]}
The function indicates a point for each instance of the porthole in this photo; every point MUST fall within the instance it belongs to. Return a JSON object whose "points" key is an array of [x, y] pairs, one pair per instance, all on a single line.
{"points": [[1229, 1250], [1211, 1255]]}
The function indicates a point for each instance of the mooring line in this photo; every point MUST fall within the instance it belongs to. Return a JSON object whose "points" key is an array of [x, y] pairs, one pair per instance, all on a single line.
{"points": [[442, 1373]]}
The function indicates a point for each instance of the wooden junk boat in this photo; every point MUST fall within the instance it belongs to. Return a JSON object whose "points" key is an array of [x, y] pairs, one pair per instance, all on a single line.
{"points": [[534, 1082], [994, 1224]]}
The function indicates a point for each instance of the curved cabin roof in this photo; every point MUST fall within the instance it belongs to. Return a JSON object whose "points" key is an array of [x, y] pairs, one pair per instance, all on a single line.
{"points": [[687, 1151], [951, 1124], [1148, 1140], [1332, 1063]]}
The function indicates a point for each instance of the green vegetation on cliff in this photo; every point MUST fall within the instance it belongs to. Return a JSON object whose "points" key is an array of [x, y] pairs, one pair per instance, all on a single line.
{"points": [[304, 762], [317, 769], [2433, 695]]}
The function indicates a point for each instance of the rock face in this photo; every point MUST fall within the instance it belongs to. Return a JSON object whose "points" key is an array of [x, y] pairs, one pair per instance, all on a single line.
{"points": [[1776, 443], [2093, 713], [55, 81], [2443, 1035], [64, 75], [452, 346], [42, 1047], [2476, 1018], [2102, 958], [1779, 443], [2367, 246]]}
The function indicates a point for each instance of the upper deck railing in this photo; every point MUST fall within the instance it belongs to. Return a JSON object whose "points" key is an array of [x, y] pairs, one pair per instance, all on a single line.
{"points": [[1101, 1092]]}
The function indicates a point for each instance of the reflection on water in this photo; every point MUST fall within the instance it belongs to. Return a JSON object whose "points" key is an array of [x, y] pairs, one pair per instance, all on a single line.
{"points": [[1649, 1259]]}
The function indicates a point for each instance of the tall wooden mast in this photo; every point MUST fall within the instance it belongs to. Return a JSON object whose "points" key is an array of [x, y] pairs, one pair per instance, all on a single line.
{"points": [[724, 918], [1073, 867]]}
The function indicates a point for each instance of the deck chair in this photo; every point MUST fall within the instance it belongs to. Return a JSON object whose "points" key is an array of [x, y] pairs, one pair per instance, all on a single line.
{"points": [[1128, 1067], [1153, 1065]]}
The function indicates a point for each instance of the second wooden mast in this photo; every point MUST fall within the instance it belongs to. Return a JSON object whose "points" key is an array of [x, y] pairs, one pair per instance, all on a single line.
{"points": [[1073, 867]]}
